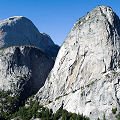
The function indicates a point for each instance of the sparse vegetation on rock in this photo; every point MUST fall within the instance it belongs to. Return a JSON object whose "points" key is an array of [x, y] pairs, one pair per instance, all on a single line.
{"points": [[38, 111]]}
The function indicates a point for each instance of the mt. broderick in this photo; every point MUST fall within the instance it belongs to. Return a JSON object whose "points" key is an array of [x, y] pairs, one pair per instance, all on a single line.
{"points": [[26, 58], [19, 30], [85, 78]]}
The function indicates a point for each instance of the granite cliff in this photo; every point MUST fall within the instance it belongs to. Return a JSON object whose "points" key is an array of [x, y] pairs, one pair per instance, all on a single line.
{"points": [[19, 30], [85, 78], [26, 58]]}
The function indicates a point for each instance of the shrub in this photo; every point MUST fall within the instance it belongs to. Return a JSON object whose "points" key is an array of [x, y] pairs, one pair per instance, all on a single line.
{"points": [[114, 110], [37, 111], [104, 117]]}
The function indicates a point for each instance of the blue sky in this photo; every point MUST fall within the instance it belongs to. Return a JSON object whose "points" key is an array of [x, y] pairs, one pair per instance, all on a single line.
{"points": [[54, 17]]}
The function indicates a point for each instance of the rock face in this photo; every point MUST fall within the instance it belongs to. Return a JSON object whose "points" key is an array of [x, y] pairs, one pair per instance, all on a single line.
{"points": [[23, 71], [86, 75], [19, 30], [23, 68], [26, 58]]}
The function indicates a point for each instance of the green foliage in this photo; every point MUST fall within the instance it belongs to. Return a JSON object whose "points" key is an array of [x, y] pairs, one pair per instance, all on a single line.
{"points": [[65, 115], [8, 104], [114, 110], [74, 91], [57, 98], [107, 75], [104, 117], [49, 77], [82, 93], [82, 88], [28, 113], [114, 72], [37, 111], [34, 110], [58, 114], [91, 83], [118, 117], [60, 96]]}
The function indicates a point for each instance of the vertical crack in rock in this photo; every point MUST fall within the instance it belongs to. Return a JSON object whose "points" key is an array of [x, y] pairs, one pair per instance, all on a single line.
{"points": [[117, 91]]}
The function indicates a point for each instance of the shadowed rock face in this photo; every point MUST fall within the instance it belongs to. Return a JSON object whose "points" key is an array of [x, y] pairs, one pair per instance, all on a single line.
{"points": [[26, 58], [85, 77], [19, 30], [23, 70]]}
